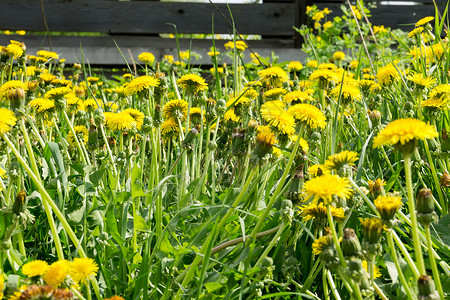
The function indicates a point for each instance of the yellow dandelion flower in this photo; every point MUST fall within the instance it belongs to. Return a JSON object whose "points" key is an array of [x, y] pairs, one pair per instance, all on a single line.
{"points": [[387, 74], [318, 170], [376, 187], [82, 134], [436, 104], [2, 173], [388, 206], [2, 285], [295, 66], [379, 29], [376, 270], [115, 298], [35, 268], [354, 64], [146, 57], [338, 55], [327, 25], [119, 121], [7, 120], [47, 77], [323, 188], [312, 64], [274, 93], [90, 104], [56, 273], [195, 115], [273, 75], [170, 130], [57, 93], [323, 243], [349, 93], [137, 116], [82, 268], [240, 45], [372, 229], [14, 50], [264, 143], [231, 116], [274, 114], [141, 83], [250, 93], [296, 97], [318, 211], [175, 109], [213, 53], [415, 31], [47, 54], [11, 85], [192, 83], [42, 105], [341, 159], [324, 76], [308, 114], [403, 131], [420, 81], [424, 21]]}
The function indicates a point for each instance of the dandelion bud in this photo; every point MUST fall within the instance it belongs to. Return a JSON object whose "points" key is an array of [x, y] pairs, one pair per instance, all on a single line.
{"points": [[238, 141], [157, 120], [427, 289], [372, 231], [325, 248], [376, 187], [425, 207], [19, 203], [14, 170], [264, 143], [375, 117], [316, 136], [408, 106], [445, 141], [187, 143], [81, 117], [296, 186], [355, 269], [221, 107], [388, 206], [267, 262], [99, 117], [350, 243], [147, 125], [15, 96], [445, 180], [93, 135]]}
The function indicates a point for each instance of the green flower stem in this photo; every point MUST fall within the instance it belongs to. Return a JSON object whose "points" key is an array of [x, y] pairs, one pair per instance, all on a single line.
{"points": [[397, 265], [269, 247], [35, 172], [312, 275], [278, 229], [325, 286], [191, 269], [434, 268], [84, 159], [14, 257], [335, 237], [367, 200], [392, 170], [108, 149], [277, 191], [35, 130], [380, 292], [413, 217], [405, 252], [371, 267], [332, 285], [21, 244], [47, 200], [437, 185]]}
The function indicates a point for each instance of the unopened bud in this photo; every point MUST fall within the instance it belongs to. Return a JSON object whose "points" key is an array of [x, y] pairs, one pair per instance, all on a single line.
{"points": [[19, 203], [427, 289], [444, 181], [375, 117], [425, 207], [350, 243]]}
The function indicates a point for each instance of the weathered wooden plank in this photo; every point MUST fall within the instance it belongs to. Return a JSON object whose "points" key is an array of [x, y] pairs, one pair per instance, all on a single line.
{"points": [[146, 17], [103, 51]]}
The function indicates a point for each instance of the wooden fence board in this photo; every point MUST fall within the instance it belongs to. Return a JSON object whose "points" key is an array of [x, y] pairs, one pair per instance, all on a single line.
{"points": [[144, 17]]}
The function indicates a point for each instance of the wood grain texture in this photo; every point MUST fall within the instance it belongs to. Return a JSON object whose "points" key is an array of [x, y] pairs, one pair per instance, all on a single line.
{"points": [[146, 17]]}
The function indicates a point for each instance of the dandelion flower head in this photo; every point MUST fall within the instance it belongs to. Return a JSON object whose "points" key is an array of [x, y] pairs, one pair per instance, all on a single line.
{"points": [[274, 114], [192, 83], [82, 268], [7, 120], [175, 109], [119, 121], [140, 84], [402, 131], [323, 188], [309, 114], [35, 268]]}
